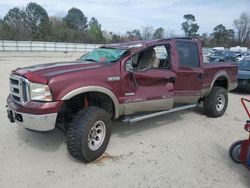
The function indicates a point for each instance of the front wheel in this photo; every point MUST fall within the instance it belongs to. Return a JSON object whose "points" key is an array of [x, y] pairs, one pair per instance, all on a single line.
{"points": [[215, 104], [234, 151], [88, 134]]}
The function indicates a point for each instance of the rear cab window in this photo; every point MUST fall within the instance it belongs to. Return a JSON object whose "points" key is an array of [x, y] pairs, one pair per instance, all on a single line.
{"points": [[188, 54]]}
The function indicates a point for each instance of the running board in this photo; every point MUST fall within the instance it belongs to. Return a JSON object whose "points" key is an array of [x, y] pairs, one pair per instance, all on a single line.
{"points": [[134, 119]]}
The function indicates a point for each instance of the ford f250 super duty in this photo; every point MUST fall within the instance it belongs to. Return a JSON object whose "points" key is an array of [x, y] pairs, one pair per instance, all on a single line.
{"points": [[131, 81]]}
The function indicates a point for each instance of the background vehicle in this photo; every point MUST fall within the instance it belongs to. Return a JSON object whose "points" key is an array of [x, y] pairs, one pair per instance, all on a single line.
{"points": [[133, 81], [220, 56], [244, 75], [238, 49], [215, 49]]}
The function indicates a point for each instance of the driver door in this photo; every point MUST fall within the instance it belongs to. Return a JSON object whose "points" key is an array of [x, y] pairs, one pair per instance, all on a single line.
{"points": [[149, 87]]}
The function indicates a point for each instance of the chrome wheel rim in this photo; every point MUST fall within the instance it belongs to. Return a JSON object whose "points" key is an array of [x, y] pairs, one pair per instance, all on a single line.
{"points": [[220, 102], [96, 135]]}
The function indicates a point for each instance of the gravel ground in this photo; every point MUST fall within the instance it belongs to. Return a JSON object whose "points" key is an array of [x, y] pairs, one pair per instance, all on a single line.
{"points": [[184, 149]]}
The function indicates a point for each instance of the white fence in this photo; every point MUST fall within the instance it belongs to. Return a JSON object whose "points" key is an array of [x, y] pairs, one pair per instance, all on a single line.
{"points": [[38, 46], [7, 45]]}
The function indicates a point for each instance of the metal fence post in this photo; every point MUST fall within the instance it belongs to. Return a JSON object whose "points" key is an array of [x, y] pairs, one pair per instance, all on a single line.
{"points": [[3, 45], [17, 46]]}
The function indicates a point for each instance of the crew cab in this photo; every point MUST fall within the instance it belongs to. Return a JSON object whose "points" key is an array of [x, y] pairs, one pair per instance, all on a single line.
{"points": [[131, 81]]}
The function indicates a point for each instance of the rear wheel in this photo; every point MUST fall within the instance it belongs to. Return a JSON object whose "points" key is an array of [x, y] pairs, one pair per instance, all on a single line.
{"points": [[88, 134], [215, 104], [234, 151]]}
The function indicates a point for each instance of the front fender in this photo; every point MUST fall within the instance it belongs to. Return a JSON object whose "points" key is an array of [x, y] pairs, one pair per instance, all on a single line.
{"points": [[66, 94]]}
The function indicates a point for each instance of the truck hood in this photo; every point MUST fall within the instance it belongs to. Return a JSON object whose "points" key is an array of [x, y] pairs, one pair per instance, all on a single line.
{"points": [[43, 72], [244, 74]]}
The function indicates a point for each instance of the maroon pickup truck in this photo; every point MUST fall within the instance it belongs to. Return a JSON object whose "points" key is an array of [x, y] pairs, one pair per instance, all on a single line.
{"points": [[131, 81]]}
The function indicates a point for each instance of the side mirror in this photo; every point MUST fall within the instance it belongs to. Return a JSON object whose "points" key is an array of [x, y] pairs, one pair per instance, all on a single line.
{"points": [[129, 66]]}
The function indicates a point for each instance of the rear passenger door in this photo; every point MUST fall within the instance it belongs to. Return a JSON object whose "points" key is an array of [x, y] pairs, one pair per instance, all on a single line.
{"points": [[189, 73]]}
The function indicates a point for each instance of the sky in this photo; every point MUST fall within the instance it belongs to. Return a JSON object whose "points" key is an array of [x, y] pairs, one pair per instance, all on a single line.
{"points": [[120, 16]]}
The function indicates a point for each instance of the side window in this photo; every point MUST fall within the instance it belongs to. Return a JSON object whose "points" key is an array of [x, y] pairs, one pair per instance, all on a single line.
{"points": [[154, 57], [188, 54]]}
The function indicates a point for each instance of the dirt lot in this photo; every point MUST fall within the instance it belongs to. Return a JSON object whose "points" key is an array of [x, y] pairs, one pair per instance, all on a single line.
{"points": [[184, 149]]}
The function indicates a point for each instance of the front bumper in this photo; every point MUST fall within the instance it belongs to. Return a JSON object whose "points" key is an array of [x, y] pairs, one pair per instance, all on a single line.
{"points": [[44, 122], [36, 116]]}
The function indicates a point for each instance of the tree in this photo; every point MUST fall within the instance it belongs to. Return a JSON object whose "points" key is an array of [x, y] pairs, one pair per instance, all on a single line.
{"points": [[133, 35], [95, 31], [117, 38], [204, 39], [219, 34], [76, 20], [231, 36], [223, 36], [189, 27], [14, 24], [242, 26], [147, 32], [159, 33], [59, 30], [37, 21]]}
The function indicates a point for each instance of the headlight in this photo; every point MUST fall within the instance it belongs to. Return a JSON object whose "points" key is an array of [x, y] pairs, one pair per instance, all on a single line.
{"points": [[40, 92]]}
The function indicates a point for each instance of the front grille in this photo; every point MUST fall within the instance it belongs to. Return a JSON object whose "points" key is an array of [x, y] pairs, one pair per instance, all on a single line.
{"points": [[19, 89]]}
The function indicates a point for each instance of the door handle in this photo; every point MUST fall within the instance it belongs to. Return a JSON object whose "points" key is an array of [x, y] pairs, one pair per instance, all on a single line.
{"points": [[172, 79], [200, 76]]}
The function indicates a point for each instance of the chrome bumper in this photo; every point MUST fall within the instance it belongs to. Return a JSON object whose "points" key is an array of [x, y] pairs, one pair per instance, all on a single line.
{"points": [[45, 122]]}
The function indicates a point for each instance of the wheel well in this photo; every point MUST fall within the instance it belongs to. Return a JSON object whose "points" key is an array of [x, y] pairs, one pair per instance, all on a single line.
{"points": [[222, 82], [81, 101]]}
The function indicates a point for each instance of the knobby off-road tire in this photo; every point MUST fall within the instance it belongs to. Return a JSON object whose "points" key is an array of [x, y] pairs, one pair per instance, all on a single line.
{"points": [[215, 104], [88, 134], [234, 151]]}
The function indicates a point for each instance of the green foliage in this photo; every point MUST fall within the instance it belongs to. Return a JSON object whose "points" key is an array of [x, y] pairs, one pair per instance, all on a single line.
{"points": [[95, 31], [222, 36], [134, 35], [189, 27], [159, 33], [33, 23], [76, 20], [14, 24], [37, 21]]}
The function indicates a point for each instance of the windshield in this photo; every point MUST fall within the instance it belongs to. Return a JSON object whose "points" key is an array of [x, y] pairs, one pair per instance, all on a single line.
{"points": [[103, 55], [244, 65]]}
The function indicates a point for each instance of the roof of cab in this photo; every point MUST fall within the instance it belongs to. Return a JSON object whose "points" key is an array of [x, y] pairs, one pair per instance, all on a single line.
{"points": [[139, 44]]}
